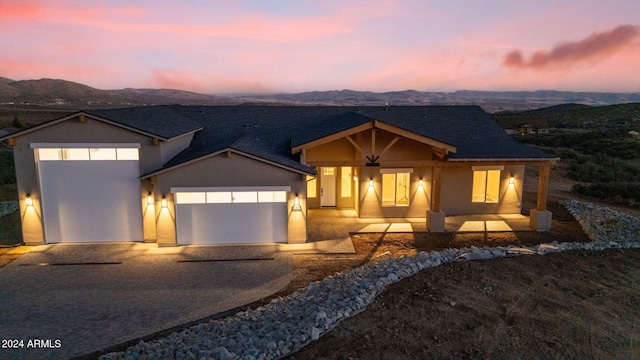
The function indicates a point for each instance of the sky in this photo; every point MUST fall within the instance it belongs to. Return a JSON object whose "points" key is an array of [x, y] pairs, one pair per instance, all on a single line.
{"points": [[282, 46]]}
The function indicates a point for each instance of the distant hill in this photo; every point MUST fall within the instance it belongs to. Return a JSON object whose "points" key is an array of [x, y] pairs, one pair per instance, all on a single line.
{"points": [[70, 95], [573, 116], [62, 93]]}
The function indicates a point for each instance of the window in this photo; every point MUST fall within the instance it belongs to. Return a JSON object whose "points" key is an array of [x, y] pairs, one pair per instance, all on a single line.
{"points": [[48, 154], [312, 186], [395, 189], [230, 197], [345, 181], [486, 186]]}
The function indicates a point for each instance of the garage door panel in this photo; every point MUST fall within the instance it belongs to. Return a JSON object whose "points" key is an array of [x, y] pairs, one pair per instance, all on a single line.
{"points": [[235, 223], [91, 201]]}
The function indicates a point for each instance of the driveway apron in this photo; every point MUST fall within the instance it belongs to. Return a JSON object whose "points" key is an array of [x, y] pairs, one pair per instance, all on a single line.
{"points": [[63, 300]]}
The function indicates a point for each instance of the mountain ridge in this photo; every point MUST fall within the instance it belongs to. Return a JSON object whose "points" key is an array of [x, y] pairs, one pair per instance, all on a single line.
{"points": [[67, 94]]}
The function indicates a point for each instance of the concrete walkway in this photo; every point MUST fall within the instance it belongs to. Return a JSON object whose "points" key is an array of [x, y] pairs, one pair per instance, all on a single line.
{"points": [[93, 296]]}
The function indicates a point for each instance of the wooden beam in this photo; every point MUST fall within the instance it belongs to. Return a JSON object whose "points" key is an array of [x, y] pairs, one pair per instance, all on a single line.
{"points": [[436, 186], [228, 153], [373, 141], [355, 145], [389, 146], [543, 187]]}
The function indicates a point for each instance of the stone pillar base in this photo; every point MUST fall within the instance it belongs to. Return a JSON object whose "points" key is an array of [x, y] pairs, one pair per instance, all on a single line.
{"points": [[540, 220], [435, 221]]}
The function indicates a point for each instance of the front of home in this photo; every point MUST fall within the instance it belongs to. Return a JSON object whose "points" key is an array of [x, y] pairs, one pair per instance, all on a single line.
{"points": [[183, 175]]}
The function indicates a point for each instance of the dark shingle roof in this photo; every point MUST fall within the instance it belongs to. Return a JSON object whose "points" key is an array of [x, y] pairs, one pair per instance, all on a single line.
{"points": [[155, 120], [269, 132]]}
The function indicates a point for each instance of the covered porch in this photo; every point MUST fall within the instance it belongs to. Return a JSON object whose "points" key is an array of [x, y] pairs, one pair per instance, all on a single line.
{"points": [[334, 224]]}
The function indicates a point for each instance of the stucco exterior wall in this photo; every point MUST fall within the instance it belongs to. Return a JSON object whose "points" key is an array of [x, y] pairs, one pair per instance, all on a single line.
{"points": [[338, 150], [169, 149], [223, 171], [69, 131], [457, 186]]}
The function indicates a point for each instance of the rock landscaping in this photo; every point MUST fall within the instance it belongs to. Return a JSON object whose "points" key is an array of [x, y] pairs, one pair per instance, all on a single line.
{"points": [[286, 324], [8, 207]]}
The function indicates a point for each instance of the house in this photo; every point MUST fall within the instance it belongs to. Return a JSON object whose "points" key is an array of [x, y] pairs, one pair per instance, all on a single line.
{"points": [[180, 175]]}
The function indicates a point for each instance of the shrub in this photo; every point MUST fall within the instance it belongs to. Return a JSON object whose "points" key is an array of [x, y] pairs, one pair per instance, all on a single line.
{"points": [[626, 192]]}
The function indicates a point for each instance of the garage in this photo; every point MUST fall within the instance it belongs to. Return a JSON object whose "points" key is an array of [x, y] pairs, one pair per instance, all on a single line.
{"points": [[90, 192], [231, 215]]}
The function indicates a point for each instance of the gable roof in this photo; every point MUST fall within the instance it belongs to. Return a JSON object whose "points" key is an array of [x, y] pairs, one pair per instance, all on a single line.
{"points": [[269, 133], [153, 121]]}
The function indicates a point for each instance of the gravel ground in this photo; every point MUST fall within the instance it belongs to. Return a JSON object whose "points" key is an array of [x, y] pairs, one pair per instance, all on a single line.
{"points": [[287, 324]]}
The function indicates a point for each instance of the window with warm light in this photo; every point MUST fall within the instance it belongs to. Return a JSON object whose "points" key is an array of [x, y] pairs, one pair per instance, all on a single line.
{"points": [[51, 154], [312, 187], [230, 197], [345, 181], [486, 186], [396, 189]]}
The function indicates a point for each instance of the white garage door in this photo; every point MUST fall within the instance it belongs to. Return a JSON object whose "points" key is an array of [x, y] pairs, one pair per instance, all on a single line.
{"points": [[231, 215], [90, 194]]}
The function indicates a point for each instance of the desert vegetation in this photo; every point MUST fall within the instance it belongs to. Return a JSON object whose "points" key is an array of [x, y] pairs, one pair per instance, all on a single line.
{"points": [[595, 144]]}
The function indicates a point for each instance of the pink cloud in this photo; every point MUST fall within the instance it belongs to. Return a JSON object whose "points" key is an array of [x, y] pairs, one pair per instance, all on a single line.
{"points": [[594, 47]]}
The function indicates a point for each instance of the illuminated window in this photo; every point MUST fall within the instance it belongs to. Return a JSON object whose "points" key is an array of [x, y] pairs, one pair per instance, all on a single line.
{"points": [[345, 181], [127, 153], [49, 154], [272, 196], [221, 197], [486, 186], [244, 196], [190, 198], [312, 186], [102, 154], [75, 154], [395, 189], [329, 171]]}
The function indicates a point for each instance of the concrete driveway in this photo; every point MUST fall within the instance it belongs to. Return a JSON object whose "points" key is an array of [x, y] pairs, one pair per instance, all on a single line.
{"points": [[80, 298]]}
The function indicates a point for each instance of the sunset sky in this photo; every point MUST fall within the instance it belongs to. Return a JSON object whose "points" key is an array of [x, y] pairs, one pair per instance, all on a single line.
{"points": [[265, 46]]}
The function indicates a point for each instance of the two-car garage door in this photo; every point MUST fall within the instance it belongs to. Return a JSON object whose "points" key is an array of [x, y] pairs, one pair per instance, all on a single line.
{"points": [[90, 193], [231, 215]]}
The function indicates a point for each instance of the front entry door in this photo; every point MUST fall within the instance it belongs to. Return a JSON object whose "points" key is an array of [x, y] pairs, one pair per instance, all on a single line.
{"points": [[328, 186]]}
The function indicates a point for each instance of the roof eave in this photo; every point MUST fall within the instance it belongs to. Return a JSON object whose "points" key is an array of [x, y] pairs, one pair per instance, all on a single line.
{"points": [[221, 151]]}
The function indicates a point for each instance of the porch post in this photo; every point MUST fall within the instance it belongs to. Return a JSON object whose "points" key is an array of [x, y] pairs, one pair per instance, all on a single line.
{"points": [[540, 217], [435, 217]]}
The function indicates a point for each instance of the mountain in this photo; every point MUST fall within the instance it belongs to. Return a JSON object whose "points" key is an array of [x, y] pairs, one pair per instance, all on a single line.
{"points": [[62, 93], [66, 94]]}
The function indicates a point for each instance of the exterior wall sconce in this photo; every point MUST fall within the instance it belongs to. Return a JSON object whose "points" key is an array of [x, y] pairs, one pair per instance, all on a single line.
{"points": [[420, 184], [371, 184], [512, 180], [163, 202], [296, 204], [29, 200], [149, 198]]}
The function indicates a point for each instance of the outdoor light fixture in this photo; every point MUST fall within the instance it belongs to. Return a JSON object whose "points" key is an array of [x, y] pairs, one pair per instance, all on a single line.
{"points": [[371, 184], [512, 180], [296, 204], [29, 200], [420, 184], [163, 202], [149, 198]]}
